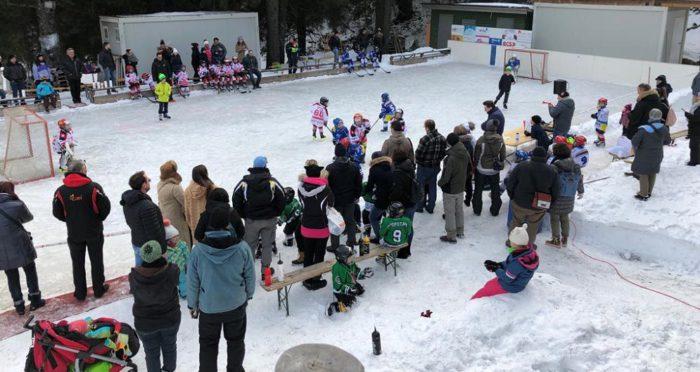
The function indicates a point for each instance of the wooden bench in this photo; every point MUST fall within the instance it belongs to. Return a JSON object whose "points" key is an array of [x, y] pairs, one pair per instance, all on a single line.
{"points": [[386, 253], [674, 136]]}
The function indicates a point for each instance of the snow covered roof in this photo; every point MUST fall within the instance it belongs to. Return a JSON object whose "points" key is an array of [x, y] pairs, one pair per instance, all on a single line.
{"points": [[498, 5], [172, 14], [482, 7]]}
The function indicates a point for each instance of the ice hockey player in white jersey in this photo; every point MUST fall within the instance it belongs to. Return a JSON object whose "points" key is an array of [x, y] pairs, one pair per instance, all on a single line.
{"points": [[319, 116]]}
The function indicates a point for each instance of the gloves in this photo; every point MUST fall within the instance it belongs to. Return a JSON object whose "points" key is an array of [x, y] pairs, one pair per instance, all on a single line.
{"points": [[194, 313], [593, 116], [580, 196], [367, 272], [279, 222], [492, 265], [358, 290]]}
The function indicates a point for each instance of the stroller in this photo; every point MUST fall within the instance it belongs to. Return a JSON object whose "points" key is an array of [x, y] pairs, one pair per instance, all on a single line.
{"points": [[100, 345]]}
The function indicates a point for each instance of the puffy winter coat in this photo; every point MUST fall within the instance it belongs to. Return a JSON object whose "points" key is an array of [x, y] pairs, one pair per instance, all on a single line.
{"points": [[72, 68], [82, 205], [258, 196], [403, 176], [315, 197], [171, 200], [497, 115], [203, 224], [562, 114], [695, 87], [44, 89], [648, 146], [397, 141], [161, 67], [195, 55], [380, 181], [431, 149], [218, 53], [530, 177], [156, 302], [517, 270], [143, 217], [565, 204], [538, 134], [195, 203], [250, 63], [16, 248], [175, 63], [41, 70], [640, 113], [220, 274], [104, 59], [454, 173], [489, 149], [15, 72], [505, 83], [345, 181]]}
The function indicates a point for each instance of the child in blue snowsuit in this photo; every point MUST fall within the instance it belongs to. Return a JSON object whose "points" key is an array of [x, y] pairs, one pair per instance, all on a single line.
{"points": [[372, 57], [388, 110], [340, 131], [46, 94], [347, 60]]}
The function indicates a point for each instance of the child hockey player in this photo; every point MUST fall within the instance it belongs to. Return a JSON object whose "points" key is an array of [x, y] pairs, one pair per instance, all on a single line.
{"points": [[227, 75], [162, 92], [579, 152], [177, 254], [340, 131], [183, 82], [345, 277], [63, 144], [215, 76], [387, 111], [240, 75], [133, 81], [504, 85], [601, 121], [346, 60], [46, 94], [396, 229], [358, 133], [203, 73], [147, 79], [291, 218], [514, 64], [373, 59], [513, 274], [319, 116]]}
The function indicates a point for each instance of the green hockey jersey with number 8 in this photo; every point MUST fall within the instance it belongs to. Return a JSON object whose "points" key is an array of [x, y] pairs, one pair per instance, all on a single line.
{"points": [[395, 231]]}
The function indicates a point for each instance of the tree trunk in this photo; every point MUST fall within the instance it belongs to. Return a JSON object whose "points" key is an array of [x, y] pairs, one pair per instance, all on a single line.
{"points": [[272, 10], [301, 32], [283, 25], [48, 36], [383, 16]]}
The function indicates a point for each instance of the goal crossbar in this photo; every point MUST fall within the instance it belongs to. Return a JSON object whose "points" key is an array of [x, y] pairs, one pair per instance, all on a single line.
{"points": [[533, 63]]}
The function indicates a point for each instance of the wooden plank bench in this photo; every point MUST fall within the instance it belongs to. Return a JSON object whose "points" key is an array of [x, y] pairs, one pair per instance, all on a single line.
{"points": [[388, 258], [674, 136]]}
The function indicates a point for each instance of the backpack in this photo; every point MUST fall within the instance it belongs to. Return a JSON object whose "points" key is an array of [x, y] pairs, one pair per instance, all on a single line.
{"points": [[568, 184]]}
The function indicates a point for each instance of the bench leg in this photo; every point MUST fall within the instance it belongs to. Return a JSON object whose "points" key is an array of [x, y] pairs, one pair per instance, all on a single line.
{"points": [[392, 261], [283, 298]]}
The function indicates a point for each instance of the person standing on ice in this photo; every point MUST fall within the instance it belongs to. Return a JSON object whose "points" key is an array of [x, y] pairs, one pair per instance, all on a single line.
{"points": [[345, 182], [507, 80], [453, 184], [562, 114], [693, 116], [489, 157], [429, 154], [398, 141], [495, 114], [163, 93], [387, 111], [319, 117], [513, 274], [514, 64], [171, 200], [571, 183], [601, 121], [142, 215], [647, 99], [648, 146], [83, 206]]}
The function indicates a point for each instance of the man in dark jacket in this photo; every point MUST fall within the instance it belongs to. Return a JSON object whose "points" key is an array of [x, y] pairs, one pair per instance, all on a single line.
{"points": [[378, 41], [663, 85], [259, 199], [334, 45], [16, 74], [156, 306], [345, 182], [507, 80], [489, 157], [142, 215], [106, 62], [562, 114], [647, 100], [529, 185], [495, 114], [403, 190], [292, 51], [453, 184], [72, 68], [83, 206], [429, 154], [218, 51], [379, 183], [693, 117], [250, 63], [196, 60], [161, 66]]}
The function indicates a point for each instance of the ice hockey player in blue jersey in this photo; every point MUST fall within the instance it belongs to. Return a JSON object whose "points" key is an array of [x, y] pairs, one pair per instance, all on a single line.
{"points": [[514, 64], [373, 58], [601, 121], [339, 130], [387, 111], [346, 59]]}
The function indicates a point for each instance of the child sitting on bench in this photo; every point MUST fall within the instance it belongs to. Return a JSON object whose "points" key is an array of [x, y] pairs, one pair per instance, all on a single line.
{"points": [[46, 94], [345, 277], [396, 229]]}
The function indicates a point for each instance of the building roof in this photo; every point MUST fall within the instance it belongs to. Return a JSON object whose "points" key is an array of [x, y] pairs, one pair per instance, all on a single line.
{"points": [[666, 3], [172, 14], [483, 7]]}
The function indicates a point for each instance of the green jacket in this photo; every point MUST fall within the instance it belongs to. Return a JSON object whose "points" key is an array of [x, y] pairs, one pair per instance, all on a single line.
{"points": [[367, 194], [344, 277], [178, 256], [396, 231], [291, 211]]}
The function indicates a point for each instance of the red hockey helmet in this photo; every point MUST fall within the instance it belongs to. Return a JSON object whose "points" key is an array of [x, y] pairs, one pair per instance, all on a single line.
{"points": [[145, 76], [603, 100], [129, 68], [62, 123], [560, 139], [579, 140], [345, 142]]}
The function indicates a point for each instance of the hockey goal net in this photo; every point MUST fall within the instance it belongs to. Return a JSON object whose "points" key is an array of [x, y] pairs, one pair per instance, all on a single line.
{"points": [[25, 146], [533, 63]]}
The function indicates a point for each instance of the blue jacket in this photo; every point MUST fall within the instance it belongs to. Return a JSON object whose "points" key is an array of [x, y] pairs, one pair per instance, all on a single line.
{"points": [[538, 133], [517, 270], [388, 108], [497, 115], [44, 89], [513, 63], [41, 70], [220, 273], [340, 133]]}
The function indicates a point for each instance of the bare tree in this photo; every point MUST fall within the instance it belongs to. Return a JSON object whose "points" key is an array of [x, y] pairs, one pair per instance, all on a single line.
{"points": [[272, 10], [46, 19]]}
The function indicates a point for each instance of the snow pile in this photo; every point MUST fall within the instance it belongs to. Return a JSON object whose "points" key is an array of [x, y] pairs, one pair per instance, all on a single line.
{"points": [[692, 37]]}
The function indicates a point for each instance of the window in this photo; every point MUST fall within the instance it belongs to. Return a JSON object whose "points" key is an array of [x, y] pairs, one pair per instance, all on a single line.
{"points": [[505, 22], [105, 33], [116, 35]]}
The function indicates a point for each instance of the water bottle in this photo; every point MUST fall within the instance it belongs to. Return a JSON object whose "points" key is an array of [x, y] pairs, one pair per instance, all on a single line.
{"points": [[376, 342], [517, 137]]}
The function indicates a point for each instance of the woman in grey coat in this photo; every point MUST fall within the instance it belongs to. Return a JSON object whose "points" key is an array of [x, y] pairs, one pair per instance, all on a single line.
{"points": [[16, 248], [571, 183], [648, 144]]}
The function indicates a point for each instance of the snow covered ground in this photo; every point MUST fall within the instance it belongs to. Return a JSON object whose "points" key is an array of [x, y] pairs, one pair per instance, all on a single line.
{"points": [[575, 315], [692, 38]]}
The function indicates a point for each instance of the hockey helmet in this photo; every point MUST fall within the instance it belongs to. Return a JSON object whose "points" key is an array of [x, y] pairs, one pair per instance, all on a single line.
{"points": [[129, 68], [603, 101], [580, 140], [396, 210], [355, 118], [145, 76], [323, 101], [509, 69], [161, 77], [338, 122], [63, 123], [288, 194], [385, 97], [560, 139], [521, 156], [343, 252], [398, 113]]}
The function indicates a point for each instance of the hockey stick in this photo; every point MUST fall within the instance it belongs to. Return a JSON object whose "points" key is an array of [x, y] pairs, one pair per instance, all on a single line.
{"points": [[149, 99], [375, 123], [381, 68], [368, 71]]}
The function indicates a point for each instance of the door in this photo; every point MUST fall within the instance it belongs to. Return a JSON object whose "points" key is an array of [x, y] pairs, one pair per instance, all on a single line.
{"points": [[676, 42], [444, 29]]}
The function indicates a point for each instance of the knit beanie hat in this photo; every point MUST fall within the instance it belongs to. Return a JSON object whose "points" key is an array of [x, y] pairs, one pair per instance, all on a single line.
{"points": [[260, 162], [452, 139], [519, 236], [536, 119], [219, 218], [655, 115], [340, 150], [377, 154], [170, 230], [539, 152], [218, 194], [150, 252]]}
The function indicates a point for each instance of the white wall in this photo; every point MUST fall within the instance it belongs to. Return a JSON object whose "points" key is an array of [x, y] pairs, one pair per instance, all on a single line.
{"points": [[585, 67]]}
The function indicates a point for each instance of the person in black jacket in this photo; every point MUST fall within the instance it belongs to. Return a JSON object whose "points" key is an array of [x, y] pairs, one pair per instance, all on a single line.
{"points": [[130, 59], [106, 62], [345, 182], [507, 80], [378, 41], [662, 84], [250, 63], [334, 45], [693, 117], [156, 307], [161, 66], [218, 198], [16, 74], [292, 51], [72, 68], [218, 52], [83, 206], [259, 198], [196, 60], [142, 215], [403, 179], [537, 132], [647, 100], [526, 184], [175, 62], [379, 183]]}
